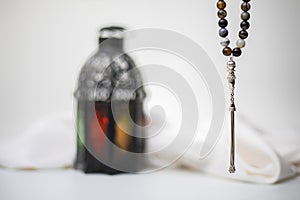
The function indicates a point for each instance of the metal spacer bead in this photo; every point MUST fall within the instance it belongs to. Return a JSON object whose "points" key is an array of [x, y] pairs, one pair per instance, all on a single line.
{"points": [[231, 64], [232, 107]]}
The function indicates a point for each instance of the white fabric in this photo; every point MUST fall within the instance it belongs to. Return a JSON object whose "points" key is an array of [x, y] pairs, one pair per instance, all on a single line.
{"points": [[261, 157], [48, 143]]}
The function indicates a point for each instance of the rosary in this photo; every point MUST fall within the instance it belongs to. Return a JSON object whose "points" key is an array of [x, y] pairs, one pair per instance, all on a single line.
{"points": [[236, 52]]}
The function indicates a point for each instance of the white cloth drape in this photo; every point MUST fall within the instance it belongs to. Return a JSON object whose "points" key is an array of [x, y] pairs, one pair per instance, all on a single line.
{"points": [[261, 157]]}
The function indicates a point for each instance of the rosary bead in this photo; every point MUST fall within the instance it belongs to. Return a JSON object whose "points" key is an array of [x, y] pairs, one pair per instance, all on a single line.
{"points": [[244, 25], [223, 23], [223, 32], [245, 16], [225, 42], [227, 51], [245, 6], [222, 14], [240, 43], [221, 5], [243, 34], [236, 52]]}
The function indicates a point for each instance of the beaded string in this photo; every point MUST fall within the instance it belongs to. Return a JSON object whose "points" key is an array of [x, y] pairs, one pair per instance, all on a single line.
{"points": [[235, 52], [223, 32]]}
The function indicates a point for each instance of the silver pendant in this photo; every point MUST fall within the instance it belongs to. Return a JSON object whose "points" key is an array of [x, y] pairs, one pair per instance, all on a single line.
{"points": [[231, 81]]}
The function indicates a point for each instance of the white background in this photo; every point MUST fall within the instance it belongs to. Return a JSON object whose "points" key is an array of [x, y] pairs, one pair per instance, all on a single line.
{"points": [[44, 43]]}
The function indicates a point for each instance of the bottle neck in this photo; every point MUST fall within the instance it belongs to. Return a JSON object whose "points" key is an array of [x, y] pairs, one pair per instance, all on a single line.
{"points": [[111, 45]]}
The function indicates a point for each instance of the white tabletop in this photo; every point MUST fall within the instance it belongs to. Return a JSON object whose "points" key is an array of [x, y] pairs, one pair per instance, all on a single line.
{"points": [[165, 184]]}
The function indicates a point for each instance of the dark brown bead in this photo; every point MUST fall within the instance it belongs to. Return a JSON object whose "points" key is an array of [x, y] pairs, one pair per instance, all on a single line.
{"points": [[244, 25], [222, 14], [221, 5], [227, 51], [245, 6], [243, 34], [236, 52], [223, 23]]}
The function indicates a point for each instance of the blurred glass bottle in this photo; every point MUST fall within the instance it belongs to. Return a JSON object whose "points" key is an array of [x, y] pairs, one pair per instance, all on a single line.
{"points": [[109, 80]]}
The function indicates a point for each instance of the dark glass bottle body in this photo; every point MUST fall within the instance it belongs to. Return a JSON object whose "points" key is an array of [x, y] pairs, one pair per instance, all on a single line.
{"points": [[109, 76]]}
